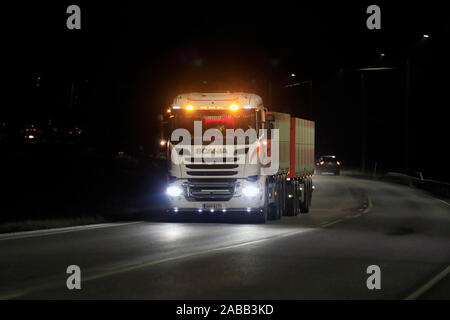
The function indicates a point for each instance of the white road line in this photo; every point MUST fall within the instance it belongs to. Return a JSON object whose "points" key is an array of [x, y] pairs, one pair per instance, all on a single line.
{"points": [[134, 267], [331, 223], [49, 232], [427, 286], [443, 201]]}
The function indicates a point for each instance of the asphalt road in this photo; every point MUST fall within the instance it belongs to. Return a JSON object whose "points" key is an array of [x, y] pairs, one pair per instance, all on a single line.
{"points": [[353, 223]]}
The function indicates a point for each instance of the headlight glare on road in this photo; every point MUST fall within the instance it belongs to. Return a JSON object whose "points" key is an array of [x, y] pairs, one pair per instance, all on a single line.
{"points": [[250, 191], [174, 191]]}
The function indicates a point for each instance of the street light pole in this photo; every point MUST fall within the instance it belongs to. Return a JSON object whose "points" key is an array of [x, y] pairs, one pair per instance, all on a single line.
{"points": [[310, 82], [364, 111], [408, 85], [363, 123], [71, 95]]}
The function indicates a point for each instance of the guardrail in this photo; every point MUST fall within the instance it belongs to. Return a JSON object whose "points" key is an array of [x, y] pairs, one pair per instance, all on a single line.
{"points": [[437, 187], [433, 186]]}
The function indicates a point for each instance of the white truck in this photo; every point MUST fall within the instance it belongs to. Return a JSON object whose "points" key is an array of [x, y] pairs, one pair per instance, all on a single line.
{"points": [[265, 175]]}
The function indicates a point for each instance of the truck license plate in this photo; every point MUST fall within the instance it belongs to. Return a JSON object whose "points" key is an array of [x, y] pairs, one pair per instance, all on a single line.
{"points": [[209, 206]]}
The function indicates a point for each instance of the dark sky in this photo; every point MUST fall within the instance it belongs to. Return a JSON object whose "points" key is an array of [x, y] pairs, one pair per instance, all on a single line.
{"points": [[130, 59]]}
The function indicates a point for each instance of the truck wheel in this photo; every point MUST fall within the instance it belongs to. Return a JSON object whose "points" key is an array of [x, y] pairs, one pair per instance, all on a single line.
{"points": [[304, 205], [273, 212], [262, 217], [278, 202], [289, 202], [304, 208]]}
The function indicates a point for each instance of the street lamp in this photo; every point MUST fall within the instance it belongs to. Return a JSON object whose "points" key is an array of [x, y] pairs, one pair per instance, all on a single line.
{"points": [[364, 111]]}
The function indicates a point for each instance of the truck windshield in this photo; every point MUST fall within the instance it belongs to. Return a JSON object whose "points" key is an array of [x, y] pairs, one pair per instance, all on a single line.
{"points": [[219, 119]]}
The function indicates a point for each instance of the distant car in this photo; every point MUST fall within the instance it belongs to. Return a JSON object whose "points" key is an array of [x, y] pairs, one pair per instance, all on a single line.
{"points": [[73, 132], [31, 133], [328, 164]]}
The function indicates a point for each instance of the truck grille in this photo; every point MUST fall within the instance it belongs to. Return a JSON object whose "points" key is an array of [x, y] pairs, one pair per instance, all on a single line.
{"points": [[226, 160], [206, 190], [212, 166], [212, 173]]}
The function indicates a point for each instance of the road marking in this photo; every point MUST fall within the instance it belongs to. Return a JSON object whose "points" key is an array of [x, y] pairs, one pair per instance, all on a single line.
{"points": [[138, 266], [443, 201], [369, 206], [331, 223], [152, 263], [12, 296], [49, 232], [427, 286], [362, 211]]}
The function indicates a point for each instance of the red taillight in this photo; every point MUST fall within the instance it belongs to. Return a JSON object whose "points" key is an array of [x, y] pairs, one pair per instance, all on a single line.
{"points": [[70, 132]]}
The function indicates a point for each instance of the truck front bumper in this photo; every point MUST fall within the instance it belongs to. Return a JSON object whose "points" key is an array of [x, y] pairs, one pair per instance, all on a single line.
{"points": [[235, 204]]}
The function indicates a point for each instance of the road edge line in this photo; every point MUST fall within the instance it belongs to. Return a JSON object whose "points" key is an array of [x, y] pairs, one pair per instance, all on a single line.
{"points": [[52, 231], [428, 285]]}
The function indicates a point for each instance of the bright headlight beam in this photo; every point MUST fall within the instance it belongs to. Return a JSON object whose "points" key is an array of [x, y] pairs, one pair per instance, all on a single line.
{"points": [[174, 191], [250, 191]]}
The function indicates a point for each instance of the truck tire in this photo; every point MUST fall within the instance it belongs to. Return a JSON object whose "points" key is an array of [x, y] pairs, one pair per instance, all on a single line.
{"points": [[304, 208], [273, 207], [279, 200], [262, 216], [304, 205], [273, 214], [290, 202]]}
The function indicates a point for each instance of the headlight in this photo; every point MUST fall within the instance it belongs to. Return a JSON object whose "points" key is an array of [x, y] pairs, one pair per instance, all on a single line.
{"points": [[174, 191], [250, 191]]}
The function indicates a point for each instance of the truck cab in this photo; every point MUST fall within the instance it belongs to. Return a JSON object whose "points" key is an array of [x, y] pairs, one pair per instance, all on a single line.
{"points": [[211, 169]]}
